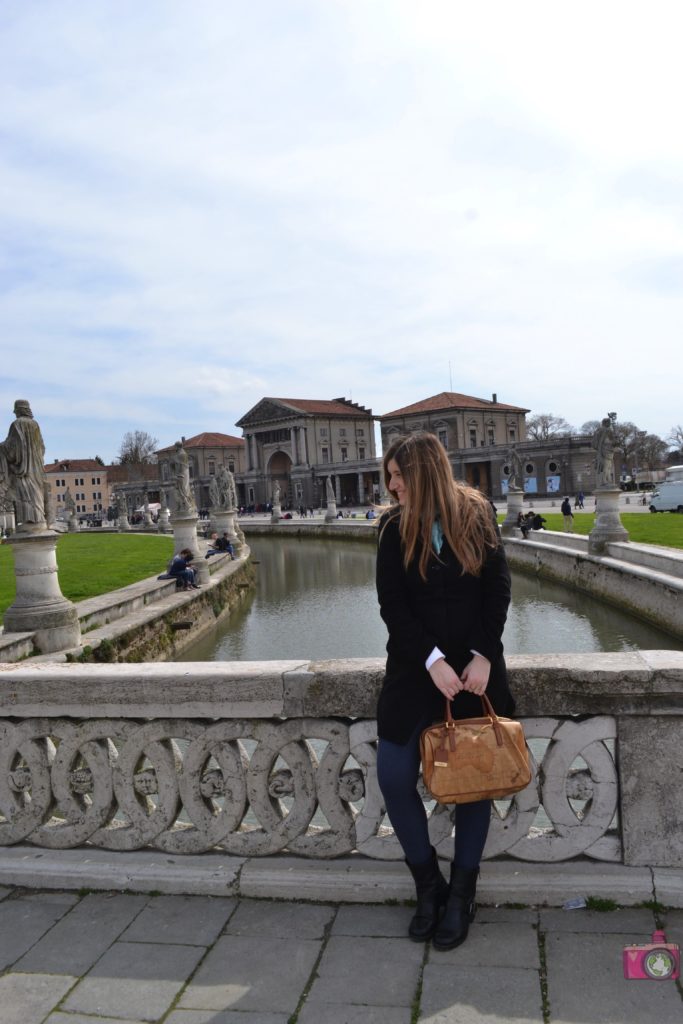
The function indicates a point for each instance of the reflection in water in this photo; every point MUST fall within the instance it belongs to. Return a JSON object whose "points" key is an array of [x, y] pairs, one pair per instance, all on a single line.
{"points": [[315, 599]]}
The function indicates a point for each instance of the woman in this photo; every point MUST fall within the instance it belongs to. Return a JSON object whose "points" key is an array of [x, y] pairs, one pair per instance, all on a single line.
{"points": [[180, 568], [444, 589]]}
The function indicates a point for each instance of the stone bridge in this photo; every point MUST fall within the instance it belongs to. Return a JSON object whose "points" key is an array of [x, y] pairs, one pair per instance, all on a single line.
{"points": [[255, 759]]}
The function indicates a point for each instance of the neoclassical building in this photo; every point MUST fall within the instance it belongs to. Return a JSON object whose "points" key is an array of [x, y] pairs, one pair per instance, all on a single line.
{"points": [[478, 433], [299, 442]]}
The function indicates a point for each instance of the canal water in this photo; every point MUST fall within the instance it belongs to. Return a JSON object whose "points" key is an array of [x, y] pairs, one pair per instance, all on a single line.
{"points": [[315, 599]]}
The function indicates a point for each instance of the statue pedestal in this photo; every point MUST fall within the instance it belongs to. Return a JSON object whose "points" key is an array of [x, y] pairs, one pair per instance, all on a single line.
{"points": [[185, 536], [331, 512], [608, 527], [163, 525], [74, 525], [224, 522], [39, 606], [276, 514], [123, 523], [515, 506]]}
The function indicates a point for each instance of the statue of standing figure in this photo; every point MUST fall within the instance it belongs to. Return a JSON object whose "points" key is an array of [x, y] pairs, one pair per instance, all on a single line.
{"points": [[276, 493], [22, 460], [516, 475], [603, 442], [69, 503], [329, 490], [222, 490], [180, 466]]}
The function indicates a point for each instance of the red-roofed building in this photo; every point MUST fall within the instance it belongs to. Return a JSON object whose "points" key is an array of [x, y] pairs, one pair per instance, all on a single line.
{"points": [[207, 452], [299, 442], [87, 482], [476, 433]]}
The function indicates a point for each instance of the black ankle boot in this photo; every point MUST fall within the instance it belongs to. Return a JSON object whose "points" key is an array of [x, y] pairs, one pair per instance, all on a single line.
{"points": [[460, 909], [432, 892]]}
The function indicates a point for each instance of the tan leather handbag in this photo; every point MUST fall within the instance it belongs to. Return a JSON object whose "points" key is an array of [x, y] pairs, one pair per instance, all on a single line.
{"points": [[469, 759]]}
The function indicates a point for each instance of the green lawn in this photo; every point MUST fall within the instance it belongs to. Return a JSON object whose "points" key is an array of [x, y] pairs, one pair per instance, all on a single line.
{"points": [[91, 564], [665, 528]]}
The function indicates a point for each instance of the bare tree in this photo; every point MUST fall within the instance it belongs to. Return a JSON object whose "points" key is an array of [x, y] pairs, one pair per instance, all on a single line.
{"points": [[137, 448], [675, 438], [544, 425], [589, 427]]}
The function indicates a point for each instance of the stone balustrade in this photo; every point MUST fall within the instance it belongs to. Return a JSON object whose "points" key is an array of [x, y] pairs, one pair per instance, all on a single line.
{"points": [[257, 758]]}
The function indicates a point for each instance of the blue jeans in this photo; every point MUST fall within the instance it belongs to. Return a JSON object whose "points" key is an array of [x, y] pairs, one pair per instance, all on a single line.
{"points": [[398, 768]]}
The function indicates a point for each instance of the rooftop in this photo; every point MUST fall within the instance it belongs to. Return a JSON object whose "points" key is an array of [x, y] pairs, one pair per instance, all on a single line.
{"points": [[452, 400]]}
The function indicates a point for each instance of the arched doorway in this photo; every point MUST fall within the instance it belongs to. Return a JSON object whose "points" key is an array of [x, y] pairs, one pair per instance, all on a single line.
{"points": [[279, 468]]}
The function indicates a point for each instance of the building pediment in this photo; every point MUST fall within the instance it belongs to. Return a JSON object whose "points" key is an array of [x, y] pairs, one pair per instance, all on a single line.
{"points": [[268, 410]]}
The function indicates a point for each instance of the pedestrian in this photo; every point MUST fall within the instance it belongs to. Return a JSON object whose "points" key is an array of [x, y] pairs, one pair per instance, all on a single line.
{"points": [[444, 589], [566, 510]]}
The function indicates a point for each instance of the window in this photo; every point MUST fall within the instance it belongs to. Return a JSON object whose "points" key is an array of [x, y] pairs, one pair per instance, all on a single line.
{"points": [[360, 432], [529, 468], [342, 431], [473, 437], [361, 452], [94, 480], [345, 454], [443, 437], [325, 454], [323, 431], [492, 436], [212, 467], [231, 467], [513, 434]]}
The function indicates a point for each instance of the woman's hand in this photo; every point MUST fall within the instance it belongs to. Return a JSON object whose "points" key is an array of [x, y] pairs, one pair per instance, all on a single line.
{"points": [[475, 675], [445, 679]]}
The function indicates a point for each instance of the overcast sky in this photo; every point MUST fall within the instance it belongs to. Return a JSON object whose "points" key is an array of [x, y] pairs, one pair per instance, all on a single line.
{"points": [[205, 203]]}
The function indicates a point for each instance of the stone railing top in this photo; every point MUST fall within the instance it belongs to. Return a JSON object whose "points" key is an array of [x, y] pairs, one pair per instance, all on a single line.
{"points": [[639, 683]]}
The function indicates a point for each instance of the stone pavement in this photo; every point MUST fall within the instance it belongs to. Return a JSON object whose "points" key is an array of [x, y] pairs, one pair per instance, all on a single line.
{"points": [[110, 957]]}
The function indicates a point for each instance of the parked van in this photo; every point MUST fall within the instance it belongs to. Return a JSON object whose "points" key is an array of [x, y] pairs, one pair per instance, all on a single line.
{"points": [[668, 497]]}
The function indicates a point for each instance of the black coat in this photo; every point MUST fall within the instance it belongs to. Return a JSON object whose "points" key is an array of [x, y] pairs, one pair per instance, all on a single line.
{"points": [[456, 612]]}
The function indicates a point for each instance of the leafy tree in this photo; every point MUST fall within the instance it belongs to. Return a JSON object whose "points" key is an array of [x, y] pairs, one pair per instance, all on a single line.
{"points": [[137, 448], [99, 461], [544, 425]]}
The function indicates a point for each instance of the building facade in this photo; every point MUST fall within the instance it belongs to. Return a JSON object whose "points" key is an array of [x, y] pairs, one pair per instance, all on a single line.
{"points": [[207, 452], [297, 443], [87, 482]]}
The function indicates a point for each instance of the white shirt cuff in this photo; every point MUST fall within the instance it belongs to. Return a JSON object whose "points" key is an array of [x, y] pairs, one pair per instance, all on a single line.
{"points": [[434, 656]]}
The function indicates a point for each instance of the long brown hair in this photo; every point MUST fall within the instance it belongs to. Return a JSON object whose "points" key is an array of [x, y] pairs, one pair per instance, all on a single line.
{"points": [[466, 517]]}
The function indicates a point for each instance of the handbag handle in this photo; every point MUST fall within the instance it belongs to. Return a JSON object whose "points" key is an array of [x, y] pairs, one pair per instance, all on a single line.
{"points": [[488, 710]]}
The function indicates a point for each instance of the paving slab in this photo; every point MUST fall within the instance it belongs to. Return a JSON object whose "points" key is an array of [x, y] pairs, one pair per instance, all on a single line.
{"points": [[673, 926], [80, 938], [496, 945], [280, 920], [368, 971], [321, 1013], [181, 920], [586, 984], [538, 884], [224, 1017], [26, 919], [501, 915], [79, 1018], [134, 983], [391, 922], [631, 921], [245, 972], [480, 995], [28, 998]]}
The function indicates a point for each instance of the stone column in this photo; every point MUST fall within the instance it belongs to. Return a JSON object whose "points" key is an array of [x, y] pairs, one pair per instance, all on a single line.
{"points": [[39, 606], [608, 527], [331, 510], [515, 506], [361, 489], [295, 446], [185, 536], [304, 445], [254, 452]]}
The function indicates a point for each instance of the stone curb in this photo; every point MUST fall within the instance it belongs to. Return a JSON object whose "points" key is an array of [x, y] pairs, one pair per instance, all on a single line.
{"points": [[352, 879]]}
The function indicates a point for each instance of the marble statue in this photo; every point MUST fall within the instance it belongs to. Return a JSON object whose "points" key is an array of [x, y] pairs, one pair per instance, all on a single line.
{"points": [[22, 459], [180, 465], [603, 442], [329, 490], [69, 503], [276, 493], [516, 475]]}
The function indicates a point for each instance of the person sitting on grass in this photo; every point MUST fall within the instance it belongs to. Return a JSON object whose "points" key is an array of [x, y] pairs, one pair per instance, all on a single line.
{"points": [[181, 569]]}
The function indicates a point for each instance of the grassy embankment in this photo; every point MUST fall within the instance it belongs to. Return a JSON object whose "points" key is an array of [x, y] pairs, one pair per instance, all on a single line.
{"points": [[665, 528], [92, 564]]}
